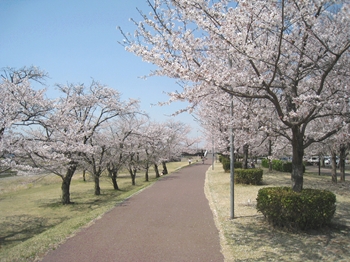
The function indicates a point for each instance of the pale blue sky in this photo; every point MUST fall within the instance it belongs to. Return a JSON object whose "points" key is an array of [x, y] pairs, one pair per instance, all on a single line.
{"points": [[76, 40]]}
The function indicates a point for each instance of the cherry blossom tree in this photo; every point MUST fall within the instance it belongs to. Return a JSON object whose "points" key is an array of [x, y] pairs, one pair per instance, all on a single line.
{"points": [[164, 142], [20, 105], [68, 134], [293, 55], [257, 137], [151, 134], [25, 73], [343, 148], [127, 146], [174, 141], [118, 133], [155, 143], [132, 152], [95, 161], [338, 145]]}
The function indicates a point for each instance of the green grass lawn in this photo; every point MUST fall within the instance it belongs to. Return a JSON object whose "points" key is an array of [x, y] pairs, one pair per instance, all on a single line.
{"points": [[248, 237], [33, 220]]}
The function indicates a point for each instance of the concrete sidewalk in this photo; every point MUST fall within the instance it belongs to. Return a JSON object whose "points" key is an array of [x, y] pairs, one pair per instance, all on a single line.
{"points": [[169, 221]]}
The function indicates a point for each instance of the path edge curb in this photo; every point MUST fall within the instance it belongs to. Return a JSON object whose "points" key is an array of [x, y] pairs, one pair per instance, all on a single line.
{"points": [[223, 241]]}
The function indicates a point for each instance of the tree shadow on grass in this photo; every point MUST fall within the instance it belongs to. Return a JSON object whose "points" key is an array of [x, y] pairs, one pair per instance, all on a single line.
{"points": [[342, 214], [78, 205], [16, 229], [275, 244]]}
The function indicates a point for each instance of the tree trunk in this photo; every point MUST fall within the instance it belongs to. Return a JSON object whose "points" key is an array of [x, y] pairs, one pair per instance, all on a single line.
{"points": [[146, 174], [97, 184], [270, 155], [113, 174], [132, 173], [245, 156], [165, 169], [66, 180], [270, 165], [114, 180], [156, 170], [342, 156], [319, 165], [334, 168], [297, 160], [84, 177]]}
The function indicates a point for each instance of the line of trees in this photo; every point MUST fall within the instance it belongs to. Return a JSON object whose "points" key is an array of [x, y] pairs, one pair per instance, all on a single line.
{"points": [[88, 127], [284, 64]]}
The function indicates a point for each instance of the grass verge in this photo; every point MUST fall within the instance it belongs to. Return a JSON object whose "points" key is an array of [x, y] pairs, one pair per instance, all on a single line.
{"points": [[32, 219], [248, 237]]}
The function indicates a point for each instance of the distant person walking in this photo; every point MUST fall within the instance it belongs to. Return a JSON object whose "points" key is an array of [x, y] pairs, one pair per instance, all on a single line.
{"points": [[252, 165]]}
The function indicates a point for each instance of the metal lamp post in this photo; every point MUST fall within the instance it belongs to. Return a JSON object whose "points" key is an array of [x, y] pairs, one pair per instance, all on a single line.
{"points": [[232, 160]]}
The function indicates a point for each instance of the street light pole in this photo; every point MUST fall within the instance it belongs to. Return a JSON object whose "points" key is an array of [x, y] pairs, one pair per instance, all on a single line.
{"points": [[232, 160], [232, 155], [213, 160]]}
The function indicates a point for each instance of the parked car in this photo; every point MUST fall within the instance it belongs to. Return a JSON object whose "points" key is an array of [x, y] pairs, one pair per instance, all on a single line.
{"points": [[328, 161], [313, 160], [259, 159], [286, 158]]}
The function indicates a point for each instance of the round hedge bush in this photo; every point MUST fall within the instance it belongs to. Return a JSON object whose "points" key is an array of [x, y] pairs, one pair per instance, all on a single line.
{"points": [[251, 176], [227, 165], [309, 209]]}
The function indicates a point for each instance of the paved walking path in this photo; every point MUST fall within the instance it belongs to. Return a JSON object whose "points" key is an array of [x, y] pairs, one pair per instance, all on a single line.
{"points": [[169, 221]]}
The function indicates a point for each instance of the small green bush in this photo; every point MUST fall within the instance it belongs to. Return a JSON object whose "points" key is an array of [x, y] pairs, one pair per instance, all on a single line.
{"points": [[287, 167], [277, 165], [225, 157], [227, 165], [237, 164], [309, 209], [265, 163], [251, 176]]}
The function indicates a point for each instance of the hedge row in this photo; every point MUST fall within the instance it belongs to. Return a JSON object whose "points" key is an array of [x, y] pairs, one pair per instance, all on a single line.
{"points": [[278, 165], [226, 164], [251, 176], [309, 209], [265, 163]]}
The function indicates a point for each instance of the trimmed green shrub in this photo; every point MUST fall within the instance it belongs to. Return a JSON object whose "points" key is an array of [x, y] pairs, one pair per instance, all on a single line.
{"points": [[251, 176], [309, 209], [225, 164], [237, 164], [221, 157], [277, 165], [265, 163], [287, 167]]}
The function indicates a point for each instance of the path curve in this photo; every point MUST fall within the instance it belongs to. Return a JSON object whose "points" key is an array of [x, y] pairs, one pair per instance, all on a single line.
{"points": [[168, 221]]}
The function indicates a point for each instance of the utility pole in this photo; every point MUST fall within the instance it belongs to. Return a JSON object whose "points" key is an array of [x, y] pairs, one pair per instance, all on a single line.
{"points": [[213, 158], [232, 154], [232, 160]]}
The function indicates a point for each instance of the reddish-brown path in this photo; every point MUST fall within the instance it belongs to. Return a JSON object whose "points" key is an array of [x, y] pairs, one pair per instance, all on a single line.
{"points": [[169, 221]]}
